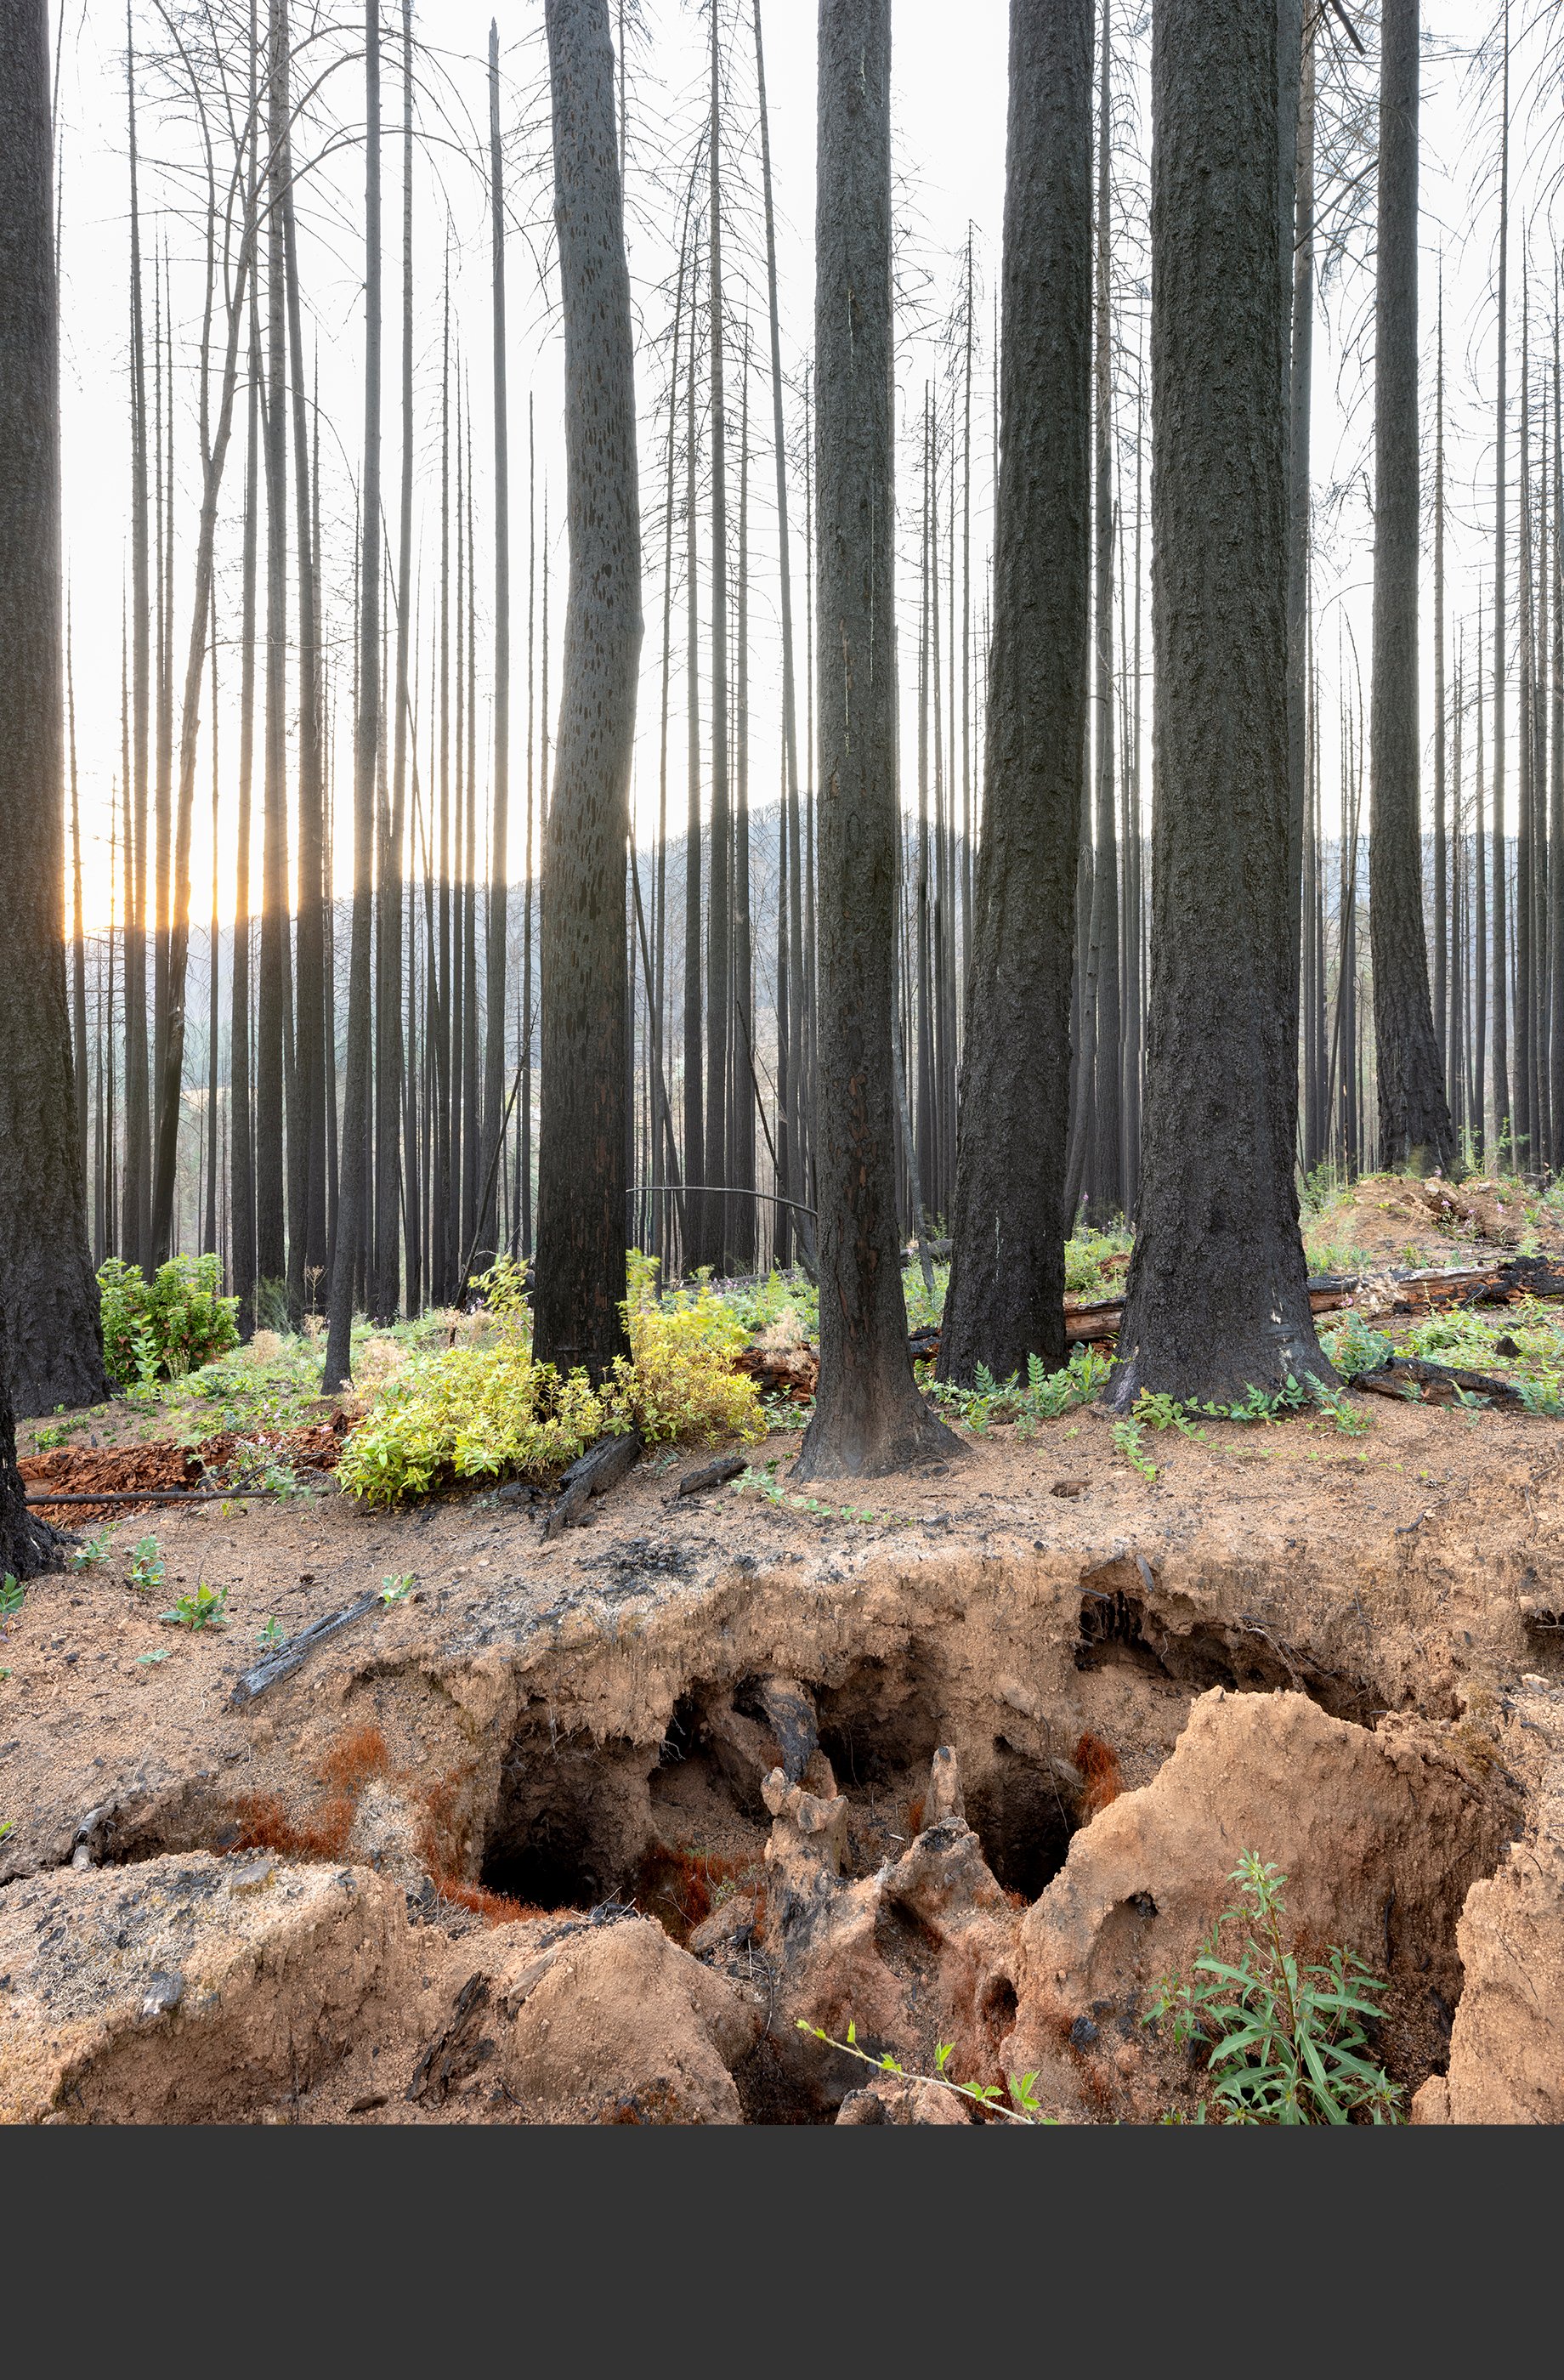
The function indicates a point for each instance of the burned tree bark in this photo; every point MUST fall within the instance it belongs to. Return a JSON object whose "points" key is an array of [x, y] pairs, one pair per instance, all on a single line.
{"points": [[54, 1353], [1006, 1298], [1217, 1297], [582, 1132], [869, 1417], [1414, 1122], [353, 1198]]}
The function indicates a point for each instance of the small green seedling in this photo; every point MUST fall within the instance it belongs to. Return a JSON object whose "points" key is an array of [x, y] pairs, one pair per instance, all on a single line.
{"points": [[147, 1660], [147, 1565], [397, 1590], [270, 1635], [5, 1826], [91, 1552], [206, 1609], [13, 1595], [1129, 1437]]}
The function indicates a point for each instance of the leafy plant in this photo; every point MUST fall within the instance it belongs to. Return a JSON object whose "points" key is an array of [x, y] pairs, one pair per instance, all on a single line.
{"points": [[1024, 2107], [147, 1564], [1045, 1396], [1286, 2039], [6, 1826], [150, 1660], [271, 1635], [1544, 1396], [1129, 1437], [207, 1607], [476, 1412], [1357, 1347], [53, 1433], [91, 1550], [166, 1327], [13, 1595], [397, 1590]]}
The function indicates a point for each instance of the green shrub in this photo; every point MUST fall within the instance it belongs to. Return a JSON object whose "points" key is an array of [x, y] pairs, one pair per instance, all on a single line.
{"points": [[476, 1412], [1046, 1395], [1286, 2040], [162, 1329]]}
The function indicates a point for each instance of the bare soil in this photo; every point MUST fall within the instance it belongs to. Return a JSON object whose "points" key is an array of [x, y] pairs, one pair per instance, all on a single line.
{"points": [[546, 1743]]}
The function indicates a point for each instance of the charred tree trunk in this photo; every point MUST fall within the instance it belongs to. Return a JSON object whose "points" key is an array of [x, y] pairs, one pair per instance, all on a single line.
{"points": [[582, 1137], [352, 1206], [1218, 1294], [495, 1046], [53, 1355], [1006, 1298], [869, 1417], [1414, 1122]]}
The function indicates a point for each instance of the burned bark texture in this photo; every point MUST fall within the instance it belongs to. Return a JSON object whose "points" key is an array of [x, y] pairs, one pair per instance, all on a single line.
{"points": [[1218, 1296], [582, 1175], [1006, 1298], [869, 1417], [1414, 1122], [54, 1353]]}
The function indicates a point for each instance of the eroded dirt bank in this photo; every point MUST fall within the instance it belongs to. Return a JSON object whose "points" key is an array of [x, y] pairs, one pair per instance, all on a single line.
{"points": [[581, 1829]]}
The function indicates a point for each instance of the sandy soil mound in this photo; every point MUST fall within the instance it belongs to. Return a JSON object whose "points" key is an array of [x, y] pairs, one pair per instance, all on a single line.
{"points": [[187, 1989]]}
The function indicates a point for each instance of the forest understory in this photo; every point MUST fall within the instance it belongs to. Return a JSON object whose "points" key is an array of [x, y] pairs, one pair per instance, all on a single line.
{"points": [[587, 1826]]}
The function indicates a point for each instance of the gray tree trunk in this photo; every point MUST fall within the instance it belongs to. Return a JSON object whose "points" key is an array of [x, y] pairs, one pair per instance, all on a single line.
{"points": [[582, 1130], [1006, 1297], [1414, 1121], [869, 1417], [53, 1355], [1218, 1295]]}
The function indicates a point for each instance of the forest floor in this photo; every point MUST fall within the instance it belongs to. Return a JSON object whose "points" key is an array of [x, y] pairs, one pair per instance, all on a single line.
{"points": [[584, 1828]]}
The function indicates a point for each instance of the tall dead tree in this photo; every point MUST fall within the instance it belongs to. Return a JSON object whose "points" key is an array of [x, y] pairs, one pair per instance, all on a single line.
{"points": [[52, 1353], [1006, 1298], [494, 1045], [352, 1200], [1218, 1292], [869, 1417], [1414, 1122], [582, 1133]]}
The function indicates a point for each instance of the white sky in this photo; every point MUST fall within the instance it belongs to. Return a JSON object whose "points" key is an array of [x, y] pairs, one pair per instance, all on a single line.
{"points": [[949, 116]]}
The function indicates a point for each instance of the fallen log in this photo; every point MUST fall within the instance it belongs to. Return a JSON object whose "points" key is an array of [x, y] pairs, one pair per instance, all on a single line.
{"points": [[1421, 1383], [593, 1474], [1423, 1289], [715, 1473], [297, 1651]]}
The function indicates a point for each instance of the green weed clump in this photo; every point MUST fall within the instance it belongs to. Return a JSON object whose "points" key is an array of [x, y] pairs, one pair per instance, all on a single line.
{"points": [[165, 1328], [1287, 2040], [478, 1412], [207, 1607], [1045, 1396]]}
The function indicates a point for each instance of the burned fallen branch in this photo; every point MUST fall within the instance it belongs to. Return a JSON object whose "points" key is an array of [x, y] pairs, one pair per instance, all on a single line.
{"points": [[715, 1473], [593, 1474], [297, 1651], [1436, 1384]]}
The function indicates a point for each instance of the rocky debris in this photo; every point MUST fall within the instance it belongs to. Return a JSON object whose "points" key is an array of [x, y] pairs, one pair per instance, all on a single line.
{"points": [[1507, 2045], [187, 1989], [1379, 1835]]}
